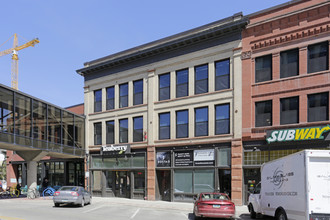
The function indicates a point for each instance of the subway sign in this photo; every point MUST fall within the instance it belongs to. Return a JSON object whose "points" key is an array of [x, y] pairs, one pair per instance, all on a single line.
{"points": [[298, 134]]}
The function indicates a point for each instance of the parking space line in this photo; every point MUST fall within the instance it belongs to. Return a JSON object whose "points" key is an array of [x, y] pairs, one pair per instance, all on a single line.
{"points": [[90, 210], [135, 213], [9, 218]]}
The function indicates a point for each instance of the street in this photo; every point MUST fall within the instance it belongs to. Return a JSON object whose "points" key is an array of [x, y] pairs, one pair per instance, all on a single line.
{"points": [[101, 208]]}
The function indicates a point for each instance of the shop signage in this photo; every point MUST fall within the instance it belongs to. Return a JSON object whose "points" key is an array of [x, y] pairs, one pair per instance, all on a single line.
{"points": [[183, 158], [163, 159], [298, 134], [204, 157], [115, 149]]}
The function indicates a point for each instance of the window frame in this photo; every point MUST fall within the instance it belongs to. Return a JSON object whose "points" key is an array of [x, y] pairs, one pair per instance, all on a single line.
{"points": [[286, 68], [137, 96], [108, 141], [185, 83], [309, 113], [97, 137], [112, 99], [185, 125], [271, 113], [291, 101], [270, 72], [200, 81], [135, 130], [164, 88], [217, 76], [201, 123], [309, 61], [168, 126], [123, 96], [222, 119], [97, 102], [121, 132]]}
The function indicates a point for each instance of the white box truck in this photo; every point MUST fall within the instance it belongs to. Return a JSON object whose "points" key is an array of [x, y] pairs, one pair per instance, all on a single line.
{"points": [[294, 187]]}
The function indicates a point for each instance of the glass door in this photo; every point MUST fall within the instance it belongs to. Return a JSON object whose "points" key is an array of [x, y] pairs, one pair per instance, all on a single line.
{"points": [[164, 184], [123, 185]]}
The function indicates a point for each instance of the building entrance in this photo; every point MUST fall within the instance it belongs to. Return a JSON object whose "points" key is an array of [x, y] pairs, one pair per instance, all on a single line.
{"points": [[252, 177], [164, 185], [122, 184]]}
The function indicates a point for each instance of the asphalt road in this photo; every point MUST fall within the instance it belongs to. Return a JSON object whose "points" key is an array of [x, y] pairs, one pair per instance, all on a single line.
{"points": [[101, 208]]}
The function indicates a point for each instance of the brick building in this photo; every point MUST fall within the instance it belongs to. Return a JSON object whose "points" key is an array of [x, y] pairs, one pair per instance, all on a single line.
{"points": [[285, 60]]}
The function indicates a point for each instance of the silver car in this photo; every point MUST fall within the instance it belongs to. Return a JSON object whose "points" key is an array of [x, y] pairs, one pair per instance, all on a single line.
{"points": [[75, 195]]}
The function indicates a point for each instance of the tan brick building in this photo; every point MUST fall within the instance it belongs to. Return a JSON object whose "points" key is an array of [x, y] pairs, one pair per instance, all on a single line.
{"points": [[164, 119]]}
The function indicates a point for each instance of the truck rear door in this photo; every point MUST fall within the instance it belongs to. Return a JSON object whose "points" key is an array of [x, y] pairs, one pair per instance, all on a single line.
{"points": [[319, 185]]}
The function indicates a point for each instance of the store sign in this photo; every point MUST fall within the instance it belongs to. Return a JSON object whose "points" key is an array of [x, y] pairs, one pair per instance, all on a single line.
{"points": [[163, 159], [115, 149], [298, 134], [183, 158], [204, 157]]}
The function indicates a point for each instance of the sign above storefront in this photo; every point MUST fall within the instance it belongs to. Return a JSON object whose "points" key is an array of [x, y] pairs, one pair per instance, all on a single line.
{"points": [[115, 149], [183, 158], [163, 159], [298, 134], [204, 157]]}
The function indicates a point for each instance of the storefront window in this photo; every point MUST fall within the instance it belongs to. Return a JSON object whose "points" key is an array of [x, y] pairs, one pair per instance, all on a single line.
{"points": [[6, 111], [109, 177], [224, 157], [97, 162], [138, 161], [183, 181], [139, 180], [255, 157], [203, 181]]}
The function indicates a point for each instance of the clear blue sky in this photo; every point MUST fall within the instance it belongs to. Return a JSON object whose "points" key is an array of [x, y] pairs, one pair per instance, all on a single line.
{"points": [[72, 32]]}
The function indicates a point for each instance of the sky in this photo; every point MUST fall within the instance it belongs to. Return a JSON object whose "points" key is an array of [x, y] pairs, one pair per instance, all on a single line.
{"points": [[73, 32]]}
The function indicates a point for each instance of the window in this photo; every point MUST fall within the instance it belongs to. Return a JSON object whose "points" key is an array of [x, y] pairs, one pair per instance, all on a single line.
{"points": [[222, 70], [97, 100], [182, 83], [201, 79], [222, 119], [182, 122], [263, 68], [98, 133], [138, 129], [318, 107], [318, 57], [123, 95], [110, 98], [289, 63], [138, 92], [289, 110], [201, 122], [164, 126], [110, 132], [164, 86], [123, 131], [263, 112]]}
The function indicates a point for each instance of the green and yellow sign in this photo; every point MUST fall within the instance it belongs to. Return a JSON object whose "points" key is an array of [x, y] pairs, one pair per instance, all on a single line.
{"points": [[298, 134]]}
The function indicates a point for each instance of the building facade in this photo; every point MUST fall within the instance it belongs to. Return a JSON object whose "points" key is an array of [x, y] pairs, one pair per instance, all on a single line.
{"points": [[285, 60], [163, 120]]}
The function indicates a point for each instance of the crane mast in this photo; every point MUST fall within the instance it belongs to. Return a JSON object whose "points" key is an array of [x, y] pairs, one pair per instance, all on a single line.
{"points": [[14, 57]]}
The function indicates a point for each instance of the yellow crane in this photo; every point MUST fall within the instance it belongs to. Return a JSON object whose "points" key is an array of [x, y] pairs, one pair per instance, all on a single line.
{"points": [[14, 58]]}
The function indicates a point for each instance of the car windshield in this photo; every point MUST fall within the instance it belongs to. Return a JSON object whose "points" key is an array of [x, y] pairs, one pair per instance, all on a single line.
{"points": [[69, 188], [209, 196]]}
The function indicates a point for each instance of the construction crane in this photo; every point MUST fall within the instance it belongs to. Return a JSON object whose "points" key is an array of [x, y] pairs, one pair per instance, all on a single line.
{"points": [[14, 58]]}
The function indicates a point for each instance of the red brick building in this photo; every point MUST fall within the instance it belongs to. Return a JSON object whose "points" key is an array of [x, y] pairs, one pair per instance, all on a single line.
{"points": [[285, 70]]}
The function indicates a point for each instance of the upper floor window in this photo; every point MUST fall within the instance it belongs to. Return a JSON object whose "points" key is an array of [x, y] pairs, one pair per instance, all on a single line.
{"points": [[289, 63], [123, 95], [164, 125], [222, 70], [110, 98], [263, 113], [318, 107], [138, 92], [182, 124], [164, 86], [318, 57], [182, 83], [263, 68], [110, 128], [201, 121], [289, 110], [137, 129], [98, 133], [123, 131], [98, 100], [201, 79], [222, 119]]}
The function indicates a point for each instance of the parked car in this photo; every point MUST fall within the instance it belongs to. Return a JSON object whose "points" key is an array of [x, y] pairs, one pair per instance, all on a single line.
{"points": [[213, 205], [75, 195]]}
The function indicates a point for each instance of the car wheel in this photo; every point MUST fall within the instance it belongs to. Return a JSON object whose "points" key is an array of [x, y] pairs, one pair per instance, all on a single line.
{"points": [[281, 215], [253, 214], [195, 216], [82, 202], [57, 204]]}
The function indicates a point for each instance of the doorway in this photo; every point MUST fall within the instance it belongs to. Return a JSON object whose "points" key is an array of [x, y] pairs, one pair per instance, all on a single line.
{"points": [[225, 181], [251, 178], [164, 184], [122, 184]]}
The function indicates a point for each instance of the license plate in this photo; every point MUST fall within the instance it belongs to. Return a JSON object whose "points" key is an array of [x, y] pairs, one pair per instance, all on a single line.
{"points": [[216, 206]]}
